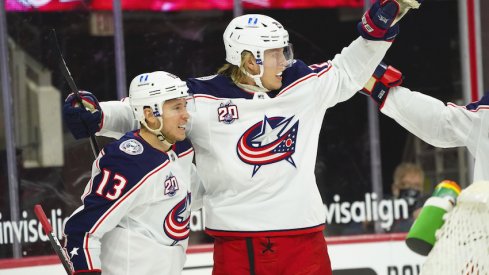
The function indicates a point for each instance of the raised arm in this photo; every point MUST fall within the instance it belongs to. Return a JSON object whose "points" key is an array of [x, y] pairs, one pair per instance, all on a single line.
{"points": [[353, 67], [118, 119], [110, 119], [426, 117], [430, 119]]}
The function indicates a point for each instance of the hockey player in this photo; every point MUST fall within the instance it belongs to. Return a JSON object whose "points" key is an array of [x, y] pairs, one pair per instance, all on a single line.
{"points": [[434, 122], [255, 132], [136, 207]]}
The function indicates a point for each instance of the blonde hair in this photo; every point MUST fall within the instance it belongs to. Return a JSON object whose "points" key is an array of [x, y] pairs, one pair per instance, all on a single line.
{"points": [[404, 169], [235, 72]]}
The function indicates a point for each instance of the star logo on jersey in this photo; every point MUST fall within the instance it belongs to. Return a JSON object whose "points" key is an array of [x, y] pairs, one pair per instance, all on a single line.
{"points": [[268, 141], [74, 252], [227, 112], [177, 221]]}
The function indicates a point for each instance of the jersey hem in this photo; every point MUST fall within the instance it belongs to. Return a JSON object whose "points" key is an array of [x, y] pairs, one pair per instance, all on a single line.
{"points": [[267, 233]]}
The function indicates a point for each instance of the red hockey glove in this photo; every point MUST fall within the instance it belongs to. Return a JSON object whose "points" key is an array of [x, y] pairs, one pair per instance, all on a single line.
{"points": [[381, 81]]}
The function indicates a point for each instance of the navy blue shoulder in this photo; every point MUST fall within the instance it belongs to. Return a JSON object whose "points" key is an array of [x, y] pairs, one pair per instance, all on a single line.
{"points": [[183, 147], [298, 70], [132, 157], [483, 101], [217, 85], [223, 87]]}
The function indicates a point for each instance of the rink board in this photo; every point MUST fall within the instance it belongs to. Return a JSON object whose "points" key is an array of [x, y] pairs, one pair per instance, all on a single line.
{"points": [[384, 254]]}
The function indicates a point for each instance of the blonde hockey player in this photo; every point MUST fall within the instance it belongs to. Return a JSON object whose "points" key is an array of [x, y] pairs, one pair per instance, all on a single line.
{"points": [[255, 130], [136, 208]]}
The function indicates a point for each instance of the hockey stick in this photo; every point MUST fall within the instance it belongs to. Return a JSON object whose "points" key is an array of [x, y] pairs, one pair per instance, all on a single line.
{"points": [[48, 230], [404, 7], [71, 83]]}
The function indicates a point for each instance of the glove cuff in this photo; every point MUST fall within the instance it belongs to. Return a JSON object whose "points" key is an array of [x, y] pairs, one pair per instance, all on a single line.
{"points": [[379, 94], [383, 78], [389, 35], [369, 27]]}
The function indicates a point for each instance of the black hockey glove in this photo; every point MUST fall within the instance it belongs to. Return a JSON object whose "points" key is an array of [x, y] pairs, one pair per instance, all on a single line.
{"points": [[82, 122]]}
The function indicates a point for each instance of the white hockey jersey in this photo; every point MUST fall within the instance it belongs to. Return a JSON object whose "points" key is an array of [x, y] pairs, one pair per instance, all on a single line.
{"points": [[444, 125], [256, 152], [136, 210]]}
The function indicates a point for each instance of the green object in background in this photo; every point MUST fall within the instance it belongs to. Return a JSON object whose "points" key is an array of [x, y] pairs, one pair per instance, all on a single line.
{"points": [[447, 189], [421, 237]]}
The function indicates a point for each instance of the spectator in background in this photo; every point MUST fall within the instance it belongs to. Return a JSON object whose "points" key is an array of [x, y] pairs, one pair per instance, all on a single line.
{"points": [[408, 184]]}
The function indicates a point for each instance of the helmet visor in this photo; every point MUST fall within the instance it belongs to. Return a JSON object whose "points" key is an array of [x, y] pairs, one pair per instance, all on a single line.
{"points": [[190, 103], [279, 57]]}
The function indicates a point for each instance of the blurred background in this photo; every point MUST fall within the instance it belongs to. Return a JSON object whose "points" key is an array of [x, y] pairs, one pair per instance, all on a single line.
{"points": [[105, 46]]}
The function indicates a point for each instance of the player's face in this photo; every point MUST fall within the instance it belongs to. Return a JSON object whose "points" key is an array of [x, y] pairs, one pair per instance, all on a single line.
{"points": [[175, 118], [274, 63]]}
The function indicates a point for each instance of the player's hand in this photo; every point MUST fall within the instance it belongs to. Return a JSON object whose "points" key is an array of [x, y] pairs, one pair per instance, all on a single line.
{"points": [[377, 22], [82, 122], [384, 78]]}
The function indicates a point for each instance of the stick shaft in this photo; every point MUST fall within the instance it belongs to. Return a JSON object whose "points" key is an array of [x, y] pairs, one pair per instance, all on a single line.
{"points": [[71, 83], [48, 230]]}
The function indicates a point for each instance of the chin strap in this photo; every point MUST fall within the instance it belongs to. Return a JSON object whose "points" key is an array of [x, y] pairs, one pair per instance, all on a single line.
{"points": [[157, 132], [252, 88], [256, 78]]}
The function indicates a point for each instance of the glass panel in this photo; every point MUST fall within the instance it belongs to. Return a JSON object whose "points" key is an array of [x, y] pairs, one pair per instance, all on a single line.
{"points": [[54, 168]]}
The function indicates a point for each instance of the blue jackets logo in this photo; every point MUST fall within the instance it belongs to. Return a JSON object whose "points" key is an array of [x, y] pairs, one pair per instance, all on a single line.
{"points": [[177, 221], [268, 141]]}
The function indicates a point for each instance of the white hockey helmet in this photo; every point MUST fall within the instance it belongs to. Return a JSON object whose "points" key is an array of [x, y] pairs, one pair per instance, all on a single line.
{"points": [[152, 90], [255, 33]]}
